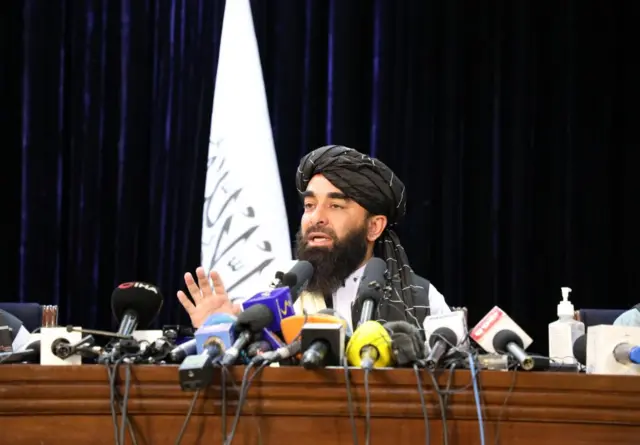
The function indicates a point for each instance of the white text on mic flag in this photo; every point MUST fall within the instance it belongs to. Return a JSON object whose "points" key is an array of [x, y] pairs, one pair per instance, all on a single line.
{"points": [[245, 234]]}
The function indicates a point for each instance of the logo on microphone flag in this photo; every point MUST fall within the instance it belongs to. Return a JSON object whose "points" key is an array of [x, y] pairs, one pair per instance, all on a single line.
{"points": [[245, 233]]}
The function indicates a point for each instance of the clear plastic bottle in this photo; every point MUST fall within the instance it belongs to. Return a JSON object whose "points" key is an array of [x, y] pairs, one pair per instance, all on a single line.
{"points": [[564, 331]]}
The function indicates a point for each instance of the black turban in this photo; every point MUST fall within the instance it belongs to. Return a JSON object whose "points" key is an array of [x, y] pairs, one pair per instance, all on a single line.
{"points": [[374, 186]]}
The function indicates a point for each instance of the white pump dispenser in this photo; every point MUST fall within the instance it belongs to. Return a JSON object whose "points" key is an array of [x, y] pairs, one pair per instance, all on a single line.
{"points": [[564, 331]]}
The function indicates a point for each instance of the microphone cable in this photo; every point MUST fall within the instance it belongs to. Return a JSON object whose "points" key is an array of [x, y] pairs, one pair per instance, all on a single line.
{"points": [[243, 392], [114, 399], [241, 400], [476, 394], [352, 417], [443, 395], [367, 407], [425, 415], [506, 399], [187, 417], [367, 394], [193, 403]]}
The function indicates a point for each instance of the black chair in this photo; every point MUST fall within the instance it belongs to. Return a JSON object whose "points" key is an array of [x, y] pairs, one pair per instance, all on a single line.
{"points": [[30, 314], [594, 317]]}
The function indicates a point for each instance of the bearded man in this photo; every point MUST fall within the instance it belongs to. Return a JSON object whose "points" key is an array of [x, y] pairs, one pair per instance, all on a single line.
{"points": [[351, 204]]}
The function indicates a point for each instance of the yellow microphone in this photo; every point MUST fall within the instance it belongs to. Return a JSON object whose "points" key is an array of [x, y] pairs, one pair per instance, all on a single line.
{"points": [[370, 347]]}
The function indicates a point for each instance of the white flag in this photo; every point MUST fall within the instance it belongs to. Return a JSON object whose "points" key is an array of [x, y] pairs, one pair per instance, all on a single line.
{"points": [[245, 234]]}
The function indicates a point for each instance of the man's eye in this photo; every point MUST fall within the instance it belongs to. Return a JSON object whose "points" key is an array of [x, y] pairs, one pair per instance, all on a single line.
{"points": [[308, 205], [336, 206]]}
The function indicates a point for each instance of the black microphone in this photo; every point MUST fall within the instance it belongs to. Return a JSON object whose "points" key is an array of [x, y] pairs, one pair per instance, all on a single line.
{"points": [[180, 352], [580, 349], [135, 304], [258, 348], [296, 279], [406, 342], [63, 349], [508, 341], [323, 344], [371, 289], [440, 341], [250, 321], [157, 350]]}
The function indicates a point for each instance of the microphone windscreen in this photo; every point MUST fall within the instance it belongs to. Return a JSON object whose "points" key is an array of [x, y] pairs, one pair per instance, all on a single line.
{"points": [[142, 298], [371, 284], [255, 318], [370, 333], [374, 273], [580, 349], [406, 342], [298, 277], [503, 338]]}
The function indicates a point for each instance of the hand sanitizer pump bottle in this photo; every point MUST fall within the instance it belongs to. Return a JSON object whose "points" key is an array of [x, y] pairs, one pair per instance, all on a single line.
{"points": [[564, 331]]}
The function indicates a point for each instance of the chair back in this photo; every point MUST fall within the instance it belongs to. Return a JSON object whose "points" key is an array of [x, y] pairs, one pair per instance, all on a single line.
{"points": [[32, 315], [594, 317]]}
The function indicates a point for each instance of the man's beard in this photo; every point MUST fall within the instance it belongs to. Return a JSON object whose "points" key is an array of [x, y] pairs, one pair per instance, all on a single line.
{"points": [[332, 265]]}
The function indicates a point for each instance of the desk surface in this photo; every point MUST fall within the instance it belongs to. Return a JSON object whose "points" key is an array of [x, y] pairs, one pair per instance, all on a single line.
{"points": [[61, 405]]}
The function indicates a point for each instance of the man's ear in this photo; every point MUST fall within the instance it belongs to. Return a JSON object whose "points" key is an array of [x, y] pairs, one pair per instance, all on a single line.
{"points": [[375, 226]]}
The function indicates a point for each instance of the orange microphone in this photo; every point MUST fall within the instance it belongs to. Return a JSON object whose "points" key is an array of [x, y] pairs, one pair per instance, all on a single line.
{"points": [[291, 327]]}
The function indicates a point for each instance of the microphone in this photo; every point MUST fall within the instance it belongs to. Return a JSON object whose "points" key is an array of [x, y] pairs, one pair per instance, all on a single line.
{"points": [[406, 342], [249, 322], [273, 339], [258, 348], [580, 349], [296, 279], [292, 326], [499, 334], [613, 350], [195, 345], [279, 354], [370, 291], [627, 354], [71, 328], [370, 347], [323, 344], [196, 371], [63, 349], [291, 332], [443, 332], [279, 303], [135, 304]]}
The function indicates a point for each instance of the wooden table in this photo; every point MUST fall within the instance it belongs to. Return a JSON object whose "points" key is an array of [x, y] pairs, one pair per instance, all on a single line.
{"points": [[69, 405]]}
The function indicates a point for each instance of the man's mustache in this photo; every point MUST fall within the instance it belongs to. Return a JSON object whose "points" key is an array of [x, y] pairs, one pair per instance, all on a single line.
{"points": [[327, 232]]}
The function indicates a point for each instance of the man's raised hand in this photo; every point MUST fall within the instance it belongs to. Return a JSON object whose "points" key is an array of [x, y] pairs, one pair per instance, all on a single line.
{"points": [[206, 301]]}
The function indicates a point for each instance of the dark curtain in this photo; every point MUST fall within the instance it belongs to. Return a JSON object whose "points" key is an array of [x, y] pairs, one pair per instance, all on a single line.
{"points": [[106, 114], [511, 123]]}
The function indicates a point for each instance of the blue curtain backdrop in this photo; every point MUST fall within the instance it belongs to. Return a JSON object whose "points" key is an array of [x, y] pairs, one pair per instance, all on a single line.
{"points": [[512, 124]]}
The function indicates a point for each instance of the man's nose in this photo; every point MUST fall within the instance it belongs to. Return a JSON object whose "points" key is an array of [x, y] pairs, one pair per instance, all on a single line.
{"points": [[319, 217]]}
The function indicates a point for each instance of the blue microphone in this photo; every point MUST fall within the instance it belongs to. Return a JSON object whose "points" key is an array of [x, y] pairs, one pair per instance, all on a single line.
{"points": [[215, 326], [278, 301], [196, 371], [270, 337], [190, 347], [627, 353]]}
